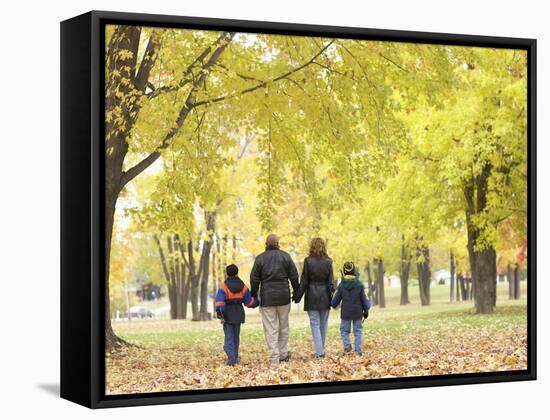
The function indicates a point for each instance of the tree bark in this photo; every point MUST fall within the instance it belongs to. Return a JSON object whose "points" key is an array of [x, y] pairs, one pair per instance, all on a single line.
{"points": [[517, 288], [463, 286], [369, 277], [210, 217], [172, 289], [214, 276], [453, 269], [180, 273], [185, 279], [482, 261], [457, 288], [116, 147], [404, 275], [424, 274], [194, 279], [380, 283]]}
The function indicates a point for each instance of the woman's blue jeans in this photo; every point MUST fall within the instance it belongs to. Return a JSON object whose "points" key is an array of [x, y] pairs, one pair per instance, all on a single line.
{"points": [[318, 321]]}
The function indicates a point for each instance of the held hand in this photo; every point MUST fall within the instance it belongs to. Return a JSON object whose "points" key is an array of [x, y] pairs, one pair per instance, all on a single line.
{"points": [[222, 321]]}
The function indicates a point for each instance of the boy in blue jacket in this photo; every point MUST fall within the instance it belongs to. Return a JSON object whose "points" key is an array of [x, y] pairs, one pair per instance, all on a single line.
{"points": [[230, 298], [355, 307]]}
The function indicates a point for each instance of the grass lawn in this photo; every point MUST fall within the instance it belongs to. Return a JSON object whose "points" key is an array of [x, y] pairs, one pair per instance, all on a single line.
{"points": [[399, 340]]}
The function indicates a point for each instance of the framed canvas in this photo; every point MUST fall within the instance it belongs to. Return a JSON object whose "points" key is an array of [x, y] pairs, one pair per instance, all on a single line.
{"points": [[257, 209]]}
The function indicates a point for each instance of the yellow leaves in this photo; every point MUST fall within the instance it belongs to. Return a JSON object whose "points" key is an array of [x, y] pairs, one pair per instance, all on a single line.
{"points": [[511, 360], [126, 54]]}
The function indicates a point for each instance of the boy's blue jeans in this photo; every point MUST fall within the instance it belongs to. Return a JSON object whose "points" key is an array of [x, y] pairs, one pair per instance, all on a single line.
{"points": [[231, 342], [345, 329], [318, 321]]}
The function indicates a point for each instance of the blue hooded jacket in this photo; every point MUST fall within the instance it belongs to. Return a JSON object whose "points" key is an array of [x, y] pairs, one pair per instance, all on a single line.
{"points": [[230, 298], [351, 293]]}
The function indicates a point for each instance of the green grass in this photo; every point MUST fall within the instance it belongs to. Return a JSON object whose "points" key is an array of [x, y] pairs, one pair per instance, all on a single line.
{"points": [[439, 318]]}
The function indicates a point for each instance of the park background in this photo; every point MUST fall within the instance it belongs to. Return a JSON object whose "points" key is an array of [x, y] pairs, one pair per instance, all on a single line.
{"points": [[407, 158], [33, 371]]}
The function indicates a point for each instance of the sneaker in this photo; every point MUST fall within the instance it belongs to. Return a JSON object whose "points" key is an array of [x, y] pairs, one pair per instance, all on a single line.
{"points": [[286, 358], [319, 356], [359, 353], [347, 349]]}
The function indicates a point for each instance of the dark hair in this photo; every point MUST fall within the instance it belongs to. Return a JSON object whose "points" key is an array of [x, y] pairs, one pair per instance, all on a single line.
{"points": [[318, 248], [232, 270]]}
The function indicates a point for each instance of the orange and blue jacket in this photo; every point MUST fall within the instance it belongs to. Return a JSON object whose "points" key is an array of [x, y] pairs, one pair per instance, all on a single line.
{"points": [[230, 298]]}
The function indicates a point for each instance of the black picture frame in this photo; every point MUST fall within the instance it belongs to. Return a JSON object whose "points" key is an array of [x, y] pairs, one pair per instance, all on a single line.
{"points": [[82, 220]]}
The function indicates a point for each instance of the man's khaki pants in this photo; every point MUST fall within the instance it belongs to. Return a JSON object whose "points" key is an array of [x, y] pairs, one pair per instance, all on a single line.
{"points": [[275, 321]]}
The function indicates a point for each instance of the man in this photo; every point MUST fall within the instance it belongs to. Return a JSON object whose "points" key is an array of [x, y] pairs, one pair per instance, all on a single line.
{"points": [[270, 274]]}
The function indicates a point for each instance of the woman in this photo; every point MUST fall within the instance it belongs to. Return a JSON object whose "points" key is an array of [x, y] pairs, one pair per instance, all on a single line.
{"points": [[317, 283]]}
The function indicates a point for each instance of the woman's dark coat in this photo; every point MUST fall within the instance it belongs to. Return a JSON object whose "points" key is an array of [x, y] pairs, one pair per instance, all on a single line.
{"points": [[317, 283]]}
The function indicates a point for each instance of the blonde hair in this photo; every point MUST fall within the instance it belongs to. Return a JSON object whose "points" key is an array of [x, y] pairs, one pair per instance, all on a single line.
{"points": [[318, 248]]}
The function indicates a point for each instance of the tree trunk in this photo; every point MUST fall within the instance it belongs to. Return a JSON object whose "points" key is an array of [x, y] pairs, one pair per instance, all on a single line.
{"points": [[369, 277], [214, 276], [380, 283], [375, 285], [184, 279], [424, 274], [204, 315], [185, 295], [123, 90], [517, 288], [457, 288], [180, 277], [172, 288], [404, 275], [485, 294], [482, 261], [453, 269], [194, 282], [463, 286]]}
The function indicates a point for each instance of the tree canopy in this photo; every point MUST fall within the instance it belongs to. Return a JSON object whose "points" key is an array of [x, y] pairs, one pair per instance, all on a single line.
{"points": [[372, 145]]}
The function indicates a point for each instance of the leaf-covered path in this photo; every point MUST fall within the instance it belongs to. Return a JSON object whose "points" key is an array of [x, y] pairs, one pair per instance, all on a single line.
{"points": [[407, 341]]}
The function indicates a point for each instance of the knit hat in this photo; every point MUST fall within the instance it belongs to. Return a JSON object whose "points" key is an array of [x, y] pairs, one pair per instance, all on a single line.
{"points": [[349, 269], [232, 270]]}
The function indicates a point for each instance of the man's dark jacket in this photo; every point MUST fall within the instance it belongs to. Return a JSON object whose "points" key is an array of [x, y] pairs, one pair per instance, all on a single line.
{"points": [[317, 282], [270, 275]]}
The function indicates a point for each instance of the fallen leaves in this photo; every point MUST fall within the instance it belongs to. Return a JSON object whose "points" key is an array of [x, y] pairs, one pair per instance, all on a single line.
{"points": [[197, 362]]}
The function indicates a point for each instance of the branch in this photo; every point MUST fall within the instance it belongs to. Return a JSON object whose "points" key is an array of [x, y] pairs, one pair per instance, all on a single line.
{"points": [[267, 82], [187, 76], [394, 63], [182, 251], [141, 80], [184, 112]]}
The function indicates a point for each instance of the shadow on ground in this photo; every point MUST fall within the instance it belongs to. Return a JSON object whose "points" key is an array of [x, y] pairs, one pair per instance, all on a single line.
{"points": [[52, 389]]}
